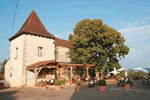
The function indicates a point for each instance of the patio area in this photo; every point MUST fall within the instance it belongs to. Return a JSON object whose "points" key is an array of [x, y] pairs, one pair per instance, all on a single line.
{"points": [[113, 92]]}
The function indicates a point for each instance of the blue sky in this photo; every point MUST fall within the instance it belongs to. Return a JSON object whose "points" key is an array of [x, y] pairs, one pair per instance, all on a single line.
{"points": [[130, 17]]}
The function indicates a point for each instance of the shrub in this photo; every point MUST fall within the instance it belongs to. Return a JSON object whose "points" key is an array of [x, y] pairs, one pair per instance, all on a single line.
{"points": [[40, 83], [44, 84], [58, 82], [79, 83], [127, 81], [101, 82]]}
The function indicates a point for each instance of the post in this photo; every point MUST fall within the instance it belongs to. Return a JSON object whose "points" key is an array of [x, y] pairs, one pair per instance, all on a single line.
{"points": [[60, 73], [71, 74], [97, 73], [35, 71], [87, 73]]}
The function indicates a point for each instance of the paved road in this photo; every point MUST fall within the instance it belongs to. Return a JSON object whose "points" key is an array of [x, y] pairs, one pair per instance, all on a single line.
{"points": [[113, 92]]}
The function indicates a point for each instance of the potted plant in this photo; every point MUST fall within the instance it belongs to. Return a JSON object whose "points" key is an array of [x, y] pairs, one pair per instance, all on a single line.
{"points": [[102, 84], [78, 85], [44, 85], [40, 84], [127, 84], [58, 84]]}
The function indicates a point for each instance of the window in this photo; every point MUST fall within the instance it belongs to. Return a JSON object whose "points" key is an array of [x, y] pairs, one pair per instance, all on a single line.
{"points": [[40, 51], [16, 53]]}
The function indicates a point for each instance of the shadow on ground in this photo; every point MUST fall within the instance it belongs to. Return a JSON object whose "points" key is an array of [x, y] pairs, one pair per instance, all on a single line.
{"points": [[8, 95], [137, 92]]}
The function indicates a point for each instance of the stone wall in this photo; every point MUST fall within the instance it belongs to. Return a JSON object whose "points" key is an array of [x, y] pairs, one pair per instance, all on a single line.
{"points": [[62, 54]]}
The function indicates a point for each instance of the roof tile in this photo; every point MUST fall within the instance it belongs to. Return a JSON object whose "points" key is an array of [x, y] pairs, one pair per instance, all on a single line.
{"points": [[33, 25]]}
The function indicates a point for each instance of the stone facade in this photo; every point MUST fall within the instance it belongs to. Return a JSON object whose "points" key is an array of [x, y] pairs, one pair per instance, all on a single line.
{"points": [[62, 54], [31, 44]]}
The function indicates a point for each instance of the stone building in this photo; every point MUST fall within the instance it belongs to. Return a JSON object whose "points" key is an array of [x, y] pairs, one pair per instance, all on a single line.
{"points": [[32, 50]]}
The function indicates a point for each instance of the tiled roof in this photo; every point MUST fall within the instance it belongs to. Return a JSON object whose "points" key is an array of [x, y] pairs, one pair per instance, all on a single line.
{"points": [[63, 43], [33, 25], [41, 63]]}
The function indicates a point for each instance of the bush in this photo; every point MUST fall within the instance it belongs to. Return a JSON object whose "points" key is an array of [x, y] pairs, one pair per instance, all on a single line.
{"points": [[101, 82], [40, 83], [127, 81], [79, 83], [58, 82], [44, 84]]}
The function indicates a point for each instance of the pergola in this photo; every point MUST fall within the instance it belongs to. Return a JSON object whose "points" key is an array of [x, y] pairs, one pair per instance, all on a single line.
{"points": [[73, 66], [36, 67]]}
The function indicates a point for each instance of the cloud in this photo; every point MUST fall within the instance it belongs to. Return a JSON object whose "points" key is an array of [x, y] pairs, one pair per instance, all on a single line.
{"points": [[138, 40], [146, 41], [134, 53], [148, 18], [136, 34], [122, 22], [136, 23], [129, 25], [136, 31], [143, 22]]}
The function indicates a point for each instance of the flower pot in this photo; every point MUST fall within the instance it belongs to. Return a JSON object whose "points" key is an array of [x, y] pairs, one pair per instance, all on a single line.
{"points": [[57, 87], [102, 88], [127, 87], [44, 87], [78, 87]]}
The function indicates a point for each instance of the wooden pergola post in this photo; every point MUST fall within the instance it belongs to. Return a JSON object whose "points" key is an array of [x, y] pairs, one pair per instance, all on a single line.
{"points": [[60, 73], [97, 72], [71, 68], [87, 73], [35, 76], [36, 72]]}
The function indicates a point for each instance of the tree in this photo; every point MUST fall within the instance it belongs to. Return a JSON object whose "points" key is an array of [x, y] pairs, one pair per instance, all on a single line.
{"points": [[2, 64], [96, 43], [92, 72], [117, 65]]}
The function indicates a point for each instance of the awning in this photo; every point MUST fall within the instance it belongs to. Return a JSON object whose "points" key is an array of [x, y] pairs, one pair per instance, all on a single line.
{"points": [[43, 63]]}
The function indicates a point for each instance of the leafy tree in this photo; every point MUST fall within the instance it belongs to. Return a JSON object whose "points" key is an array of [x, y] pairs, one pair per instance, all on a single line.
{"points": [[92, 72], [117, 65], [121, 73], [2, 65], [96, 43]]}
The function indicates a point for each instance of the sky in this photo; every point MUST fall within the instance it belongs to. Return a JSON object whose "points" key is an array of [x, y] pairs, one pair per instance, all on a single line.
{"points": [[130, 17]]}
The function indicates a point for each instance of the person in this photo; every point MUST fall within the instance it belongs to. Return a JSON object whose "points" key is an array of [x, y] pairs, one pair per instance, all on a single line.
{"points": [[119, 80], [86, 79], [95, 82], [145, 77], [122, 80], [91, 83], [52, 81], [131, 83]]}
